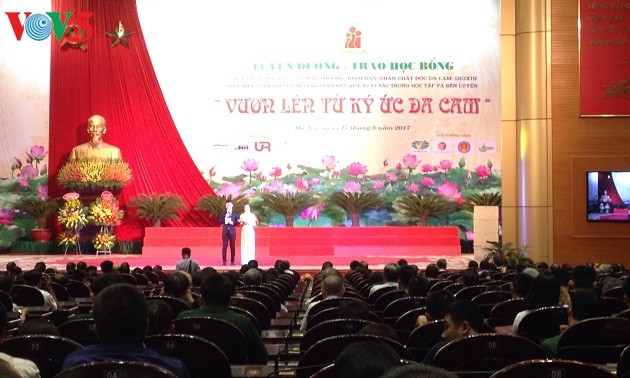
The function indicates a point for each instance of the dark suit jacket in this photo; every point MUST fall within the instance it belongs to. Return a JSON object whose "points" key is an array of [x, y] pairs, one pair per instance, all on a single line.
{"points": [[229, 228]]}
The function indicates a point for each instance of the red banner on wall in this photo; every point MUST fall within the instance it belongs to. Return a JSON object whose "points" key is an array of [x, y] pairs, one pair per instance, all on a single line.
{"points": [[604, 58]]}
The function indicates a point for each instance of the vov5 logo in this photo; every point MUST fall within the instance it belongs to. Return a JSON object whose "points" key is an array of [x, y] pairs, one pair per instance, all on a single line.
{"points": [[40, 26]]}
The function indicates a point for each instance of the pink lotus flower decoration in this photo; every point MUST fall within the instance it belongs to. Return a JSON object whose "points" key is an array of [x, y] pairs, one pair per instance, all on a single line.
{"points": [[378, 185], [428, 181], [275, 186], [448, 190], [26, 173], [398, 167], [330, 162], [468, 176], [413, 188], [232, 189], [250, 192], [6, 217], [315, 181], [352, 187], [275, 172], [301, 184], [391, 176], [426, 168], [313, 212], [250, 165], [357, 169], [446, 165], [483, 172], [17, 164], [38, 153], [411, 161], [42, 191], [213, 171]]}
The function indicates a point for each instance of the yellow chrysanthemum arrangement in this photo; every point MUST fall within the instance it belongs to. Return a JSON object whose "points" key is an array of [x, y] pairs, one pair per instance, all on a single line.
{"points": [[105, 212], [73, 216], [104, 241], [94, 174]]}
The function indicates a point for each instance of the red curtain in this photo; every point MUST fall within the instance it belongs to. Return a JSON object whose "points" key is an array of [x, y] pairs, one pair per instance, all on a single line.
{"points": [[120, 84]]}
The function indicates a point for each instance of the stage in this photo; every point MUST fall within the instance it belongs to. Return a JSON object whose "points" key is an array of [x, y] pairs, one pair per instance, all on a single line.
{"points": [[299, 263], [306, 248]]}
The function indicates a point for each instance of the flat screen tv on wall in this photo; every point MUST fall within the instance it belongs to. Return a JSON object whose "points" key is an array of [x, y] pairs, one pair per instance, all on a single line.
{"points": [[608, 196]]}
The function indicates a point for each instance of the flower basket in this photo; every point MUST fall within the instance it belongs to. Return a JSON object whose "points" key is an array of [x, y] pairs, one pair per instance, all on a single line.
{"points": [[73, 216]]}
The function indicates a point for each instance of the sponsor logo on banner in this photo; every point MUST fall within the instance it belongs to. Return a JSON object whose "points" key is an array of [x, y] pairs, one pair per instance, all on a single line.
{"points": [[72, 27], [420, 146], [442, 146], [262, 146], [464, 147], [353, 39], [488, 146]]}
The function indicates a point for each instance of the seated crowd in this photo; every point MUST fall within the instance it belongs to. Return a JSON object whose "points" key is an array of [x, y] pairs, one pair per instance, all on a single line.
{"points": [[398, 321]]}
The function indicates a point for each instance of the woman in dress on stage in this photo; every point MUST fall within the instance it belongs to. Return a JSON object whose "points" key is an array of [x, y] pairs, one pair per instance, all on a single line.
{"points": [[248, 235]]}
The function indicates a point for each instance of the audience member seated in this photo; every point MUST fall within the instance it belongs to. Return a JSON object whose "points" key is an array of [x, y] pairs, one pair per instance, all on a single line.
{"points": [[379, 329], [441, 265], [40, 281], [332, 287], [252, 277], [121, 322], [216, 291], [405, 273], [107, 266], [584, 305], [418, 286], [353, 310], [584, 277], [431, 272], [461, 319], [390, 277], [178, 285], [366, 359], [520, 285], [38, 327], [545, 291], [626, 291], [418, 371], [437, 302], [26, 368], [161, 318], [470, 278]]}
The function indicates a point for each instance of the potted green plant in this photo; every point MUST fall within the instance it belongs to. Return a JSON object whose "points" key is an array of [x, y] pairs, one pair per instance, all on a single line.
{"points": [[158, 207], [42, 209], [414, 206], [354, 203], [214, 204], [508, 253], [288, 204]]}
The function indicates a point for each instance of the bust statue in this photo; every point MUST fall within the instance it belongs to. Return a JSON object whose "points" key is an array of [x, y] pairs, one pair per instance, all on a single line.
{"points": [[96, 149]]}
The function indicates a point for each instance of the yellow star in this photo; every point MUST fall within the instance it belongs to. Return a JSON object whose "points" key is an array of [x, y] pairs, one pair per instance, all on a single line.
{"points": [[119, 35]]}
